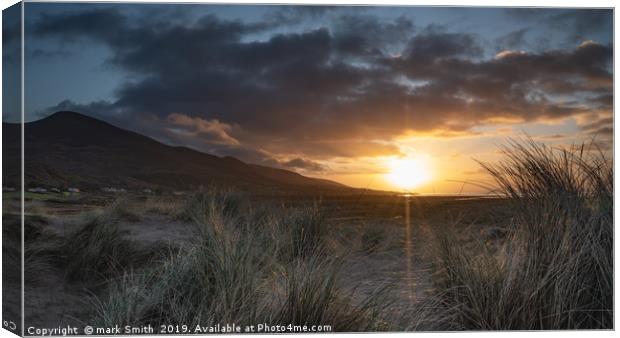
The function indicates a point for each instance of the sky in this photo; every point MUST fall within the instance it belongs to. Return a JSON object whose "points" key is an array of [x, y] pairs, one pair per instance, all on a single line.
{"points": [[355, 94]]}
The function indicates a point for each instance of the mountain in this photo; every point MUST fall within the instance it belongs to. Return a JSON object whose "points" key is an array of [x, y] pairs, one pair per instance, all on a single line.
{"points": [[70, 149]]}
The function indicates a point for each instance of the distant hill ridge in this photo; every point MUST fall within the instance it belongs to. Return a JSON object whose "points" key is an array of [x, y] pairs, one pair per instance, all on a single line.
{"points": [[72, 149]]}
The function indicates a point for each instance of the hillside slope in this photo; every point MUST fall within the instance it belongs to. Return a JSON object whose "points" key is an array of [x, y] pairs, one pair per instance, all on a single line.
{"points": [[71, 149]]}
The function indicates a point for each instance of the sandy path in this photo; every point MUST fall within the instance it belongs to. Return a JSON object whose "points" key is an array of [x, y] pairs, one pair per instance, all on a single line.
{"points": [[401, 266]]}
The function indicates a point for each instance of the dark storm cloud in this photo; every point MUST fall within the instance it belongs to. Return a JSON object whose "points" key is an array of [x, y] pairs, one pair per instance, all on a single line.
{"points": [[366, 35], [513, 84], [105, 24], [343, 89], [432, 45]]}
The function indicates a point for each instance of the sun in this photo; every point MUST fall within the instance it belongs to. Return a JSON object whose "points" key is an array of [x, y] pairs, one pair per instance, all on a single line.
{"points": [[409, 173]]}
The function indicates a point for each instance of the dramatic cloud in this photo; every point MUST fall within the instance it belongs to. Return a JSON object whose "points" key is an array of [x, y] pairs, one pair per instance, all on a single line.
{"points": [[303, 164], [601, 128], [213, 130], [366, 35], [344, 88]]}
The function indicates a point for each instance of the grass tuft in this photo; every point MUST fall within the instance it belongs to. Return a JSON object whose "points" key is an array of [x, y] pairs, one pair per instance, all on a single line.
{"points": [[555, 267], [244, 266], [98, 249]]}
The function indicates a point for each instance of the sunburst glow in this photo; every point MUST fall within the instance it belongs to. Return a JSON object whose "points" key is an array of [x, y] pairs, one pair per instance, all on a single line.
{"points": [[408, 173]]}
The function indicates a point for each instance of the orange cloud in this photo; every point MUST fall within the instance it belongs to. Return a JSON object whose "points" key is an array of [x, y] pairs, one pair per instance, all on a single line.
{"points": [[217, 132]]}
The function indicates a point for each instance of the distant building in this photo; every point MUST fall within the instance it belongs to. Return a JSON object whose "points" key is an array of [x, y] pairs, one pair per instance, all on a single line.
{"points": [[147, 191], [37, 190], [113, 189], [8, 189], [55, 190], [73, 190]]}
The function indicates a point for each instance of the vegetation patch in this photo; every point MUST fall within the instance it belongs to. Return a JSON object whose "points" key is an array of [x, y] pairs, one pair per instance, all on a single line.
{"points": [[555, 268]]}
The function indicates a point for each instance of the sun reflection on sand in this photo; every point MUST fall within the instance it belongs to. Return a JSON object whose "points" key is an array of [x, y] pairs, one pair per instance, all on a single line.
{"points": [[408, 246]]}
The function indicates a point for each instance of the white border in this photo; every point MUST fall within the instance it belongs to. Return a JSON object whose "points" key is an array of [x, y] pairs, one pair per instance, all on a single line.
{"points": [[471, 3]]}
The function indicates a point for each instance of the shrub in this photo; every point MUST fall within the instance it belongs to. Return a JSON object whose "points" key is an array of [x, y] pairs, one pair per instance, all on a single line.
{"points": [[201, 204], [161, 205], [123, 209], [313, 296], [98, 249], [307, 230], [555, 268], [241, 267]]}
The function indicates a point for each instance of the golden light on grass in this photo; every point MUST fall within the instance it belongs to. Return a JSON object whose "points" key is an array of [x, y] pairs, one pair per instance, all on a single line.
{"points": [[410, 172]]}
